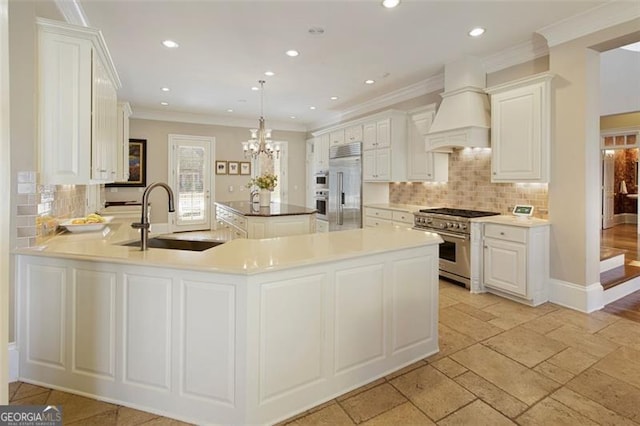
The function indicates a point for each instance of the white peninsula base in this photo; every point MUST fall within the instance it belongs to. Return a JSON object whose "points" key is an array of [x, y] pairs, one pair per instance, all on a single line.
{"points": [[226, 348]]}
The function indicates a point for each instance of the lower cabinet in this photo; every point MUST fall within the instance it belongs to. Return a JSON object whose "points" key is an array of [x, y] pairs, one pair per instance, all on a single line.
{"points": [[240, 226], [322, 226], [387, 217], [516, 261]]}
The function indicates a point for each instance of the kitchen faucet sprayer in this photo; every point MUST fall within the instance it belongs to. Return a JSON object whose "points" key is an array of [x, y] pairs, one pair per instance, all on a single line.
{"points": [[144, 224]]}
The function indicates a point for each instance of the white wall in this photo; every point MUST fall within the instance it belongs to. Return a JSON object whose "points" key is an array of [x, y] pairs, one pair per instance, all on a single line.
{"points": [[228, 148], [619, 81]]}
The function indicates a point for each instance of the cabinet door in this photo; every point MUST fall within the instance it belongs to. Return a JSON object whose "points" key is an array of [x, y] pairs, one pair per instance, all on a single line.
{"points": [[369, 136], [104, 125], [383, 133], [383, 164], [505, 266], [516, 135], [353, 134], [64, 90], [419, 161], [122, 147], [369, 165], [337, 137]]}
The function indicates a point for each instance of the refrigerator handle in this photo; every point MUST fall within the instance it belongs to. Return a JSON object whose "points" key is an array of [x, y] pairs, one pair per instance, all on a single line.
{"points": [[339, 198]]}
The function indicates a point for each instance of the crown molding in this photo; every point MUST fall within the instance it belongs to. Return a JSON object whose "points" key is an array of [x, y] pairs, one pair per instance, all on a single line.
{"points": [[412, 91], [607, 15], [514, 55], [186, 117], [73, 12]]}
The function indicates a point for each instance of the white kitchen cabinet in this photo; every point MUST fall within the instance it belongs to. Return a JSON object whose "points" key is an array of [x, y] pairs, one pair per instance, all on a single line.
{"points": [[377, 217], [321, 153], [384, 157], [322, 226], [521, 130], [122, 146], [336, 137], [77, 105], [256, 227], [353, 134], [423, 165], [516, 261]]}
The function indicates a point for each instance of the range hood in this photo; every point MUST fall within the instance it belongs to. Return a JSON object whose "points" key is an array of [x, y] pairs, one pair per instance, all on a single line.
{"points": [[463, 119]]}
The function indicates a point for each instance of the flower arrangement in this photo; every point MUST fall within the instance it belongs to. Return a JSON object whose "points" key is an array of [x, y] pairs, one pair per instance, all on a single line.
{"points": [[265, 181]]}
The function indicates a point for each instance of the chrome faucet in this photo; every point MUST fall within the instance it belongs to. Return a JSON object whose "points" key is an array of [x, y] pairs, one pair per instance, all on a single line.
{"points": [[144, 224]]}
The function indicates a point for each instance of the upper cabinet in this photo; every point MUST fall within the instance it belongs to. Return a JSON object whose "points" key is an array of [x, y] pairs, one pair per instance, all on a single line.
{"points": [[423, 165], [77, 105], [122, 145], [384, 156], [520, 129]]}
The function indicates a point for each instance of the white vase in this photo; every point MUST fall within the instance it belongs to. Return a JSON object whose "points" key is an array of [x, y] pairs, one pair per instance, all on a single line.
{"points": [[265, 198]]}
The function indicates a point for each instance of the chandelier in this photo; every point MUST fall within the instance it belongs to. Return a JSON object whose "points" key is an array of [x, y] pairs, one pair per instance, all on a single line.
{"points": [[260, 142]]}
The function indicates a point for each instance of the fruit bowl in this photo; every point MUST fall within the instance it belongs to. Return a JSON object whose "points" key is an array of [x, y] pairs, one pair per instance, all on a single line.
{"points": [[85, 227]]}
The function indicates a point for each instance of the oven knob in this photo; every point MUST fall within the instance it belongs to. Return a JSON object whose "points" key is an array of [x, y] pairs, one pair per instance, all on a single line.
{"points": [[443, 225], [455, 226], [463, 226], [449, 225]]}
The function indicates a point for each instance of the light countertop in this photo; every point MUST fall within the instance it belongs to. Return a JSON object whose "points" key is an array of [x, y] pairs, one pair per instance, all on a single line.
{"points": [[507, 219], [239, 256], [246, 208]]}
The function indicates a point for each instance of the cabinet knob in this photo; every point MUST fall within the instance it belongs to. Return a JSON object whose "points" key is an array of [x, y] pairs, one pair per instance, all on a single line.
{"points": [[486, 246], [494, 173], [502, 233]]}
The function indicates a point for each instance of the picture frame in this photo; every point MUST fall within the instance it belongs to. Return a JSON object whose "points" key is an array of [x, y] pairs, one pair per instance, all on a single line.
{"points": [[245, 168], [234, 167], [137, 165], [221, 167]]}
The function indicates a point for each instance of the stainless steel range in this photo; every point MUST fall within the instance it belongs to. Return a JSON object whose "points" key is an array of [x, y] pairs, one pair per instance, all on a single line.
{"points": [[453, 226]]}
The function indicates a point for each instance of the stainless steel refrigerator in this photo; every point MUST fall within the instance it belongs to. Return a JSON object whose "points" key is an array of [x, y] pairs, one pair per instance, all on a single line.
{"points": [[345, 187]]}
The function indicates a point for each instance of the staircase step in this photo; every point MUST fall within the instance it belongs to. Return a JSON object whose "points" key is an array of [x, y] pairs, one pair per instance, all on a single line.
{"points": [[618, 275], [611, 262]]}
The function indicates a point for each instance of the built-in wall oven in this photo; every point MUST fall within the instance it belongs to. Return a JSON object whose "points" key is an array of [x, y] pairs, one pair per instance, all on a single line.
{"points": [[321, 199], [321, 180], [453, 226]]}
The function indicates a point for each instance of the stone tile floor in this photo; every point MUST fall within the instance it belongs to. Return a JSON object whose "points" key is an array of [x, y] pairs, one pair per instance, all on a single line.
{"points": [[500, 363]]}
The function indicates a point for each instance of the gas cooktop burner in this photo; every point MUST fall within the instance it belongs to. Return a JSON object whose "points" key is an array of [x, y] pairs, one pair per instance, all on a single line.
{"points": [[459, 212]]}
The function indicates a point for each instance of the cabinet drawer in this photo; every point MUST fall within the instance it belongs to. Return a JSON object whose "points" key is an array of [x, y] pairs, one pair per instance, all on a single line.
{"points": [[239, 221], [378, 213], [374, 221], [503, 232], [403, 217]]}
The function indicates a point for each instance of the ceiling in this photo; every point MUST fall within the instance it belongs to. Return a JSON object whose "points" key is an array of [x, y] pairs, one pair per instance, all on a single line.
{"points": [[226, 46]]}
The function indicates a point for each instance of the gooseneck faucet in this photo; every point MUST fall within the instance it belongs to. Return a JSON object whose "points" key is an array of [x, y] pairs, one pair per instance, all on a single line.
{"points": [[144, 224]]}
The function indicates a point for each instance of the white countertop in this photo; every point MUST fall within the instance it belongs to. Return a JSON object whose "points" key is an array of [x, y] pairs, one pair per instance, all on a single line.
{"points": [[239, 256], [507, 219]]}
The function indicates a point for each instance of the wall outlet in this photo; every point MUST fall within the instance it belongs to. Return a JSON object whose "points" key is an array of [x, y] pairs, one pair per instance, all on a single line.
{"points": [[230, 188]]}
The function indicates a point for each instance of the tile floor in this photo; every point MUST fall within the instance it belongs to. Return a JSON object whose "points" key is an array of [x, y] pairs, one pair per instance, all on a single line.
{"points": [[500, 363]]}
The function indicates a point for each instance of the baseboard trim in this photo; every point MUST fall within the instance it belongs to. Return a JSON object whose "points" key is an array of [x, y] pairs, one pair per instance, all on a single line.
{"points": [[621, 290], [611, 263], [13, 363], [578, 297]]}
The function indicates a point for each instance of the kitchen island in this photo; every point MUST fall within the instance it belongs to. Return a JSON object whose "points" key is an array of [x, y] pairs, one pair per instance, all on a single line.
{"points": [[248, 332], [248, 220]]}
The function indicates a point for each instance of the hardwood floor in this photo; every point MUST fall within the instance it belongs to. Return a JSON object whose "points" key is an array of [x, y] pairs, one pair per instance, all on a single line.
{"points": [[622, 238]]}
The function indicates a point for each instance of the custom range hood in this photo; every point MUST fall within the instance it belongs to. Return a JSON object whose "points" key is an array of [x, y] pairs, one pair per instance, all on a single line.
{"points": [[463, 119]]}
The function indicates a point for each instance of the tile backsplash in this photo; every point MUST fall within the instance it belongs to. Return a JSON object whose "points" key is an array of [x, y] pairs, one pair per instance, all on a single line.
{"points": [[470, 187], [39, 207]]}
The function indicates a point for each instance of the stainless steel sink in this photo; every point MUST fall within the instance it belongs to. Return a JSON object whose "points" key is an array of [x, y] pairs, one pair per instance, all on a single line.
{"points": [[170, 243]]}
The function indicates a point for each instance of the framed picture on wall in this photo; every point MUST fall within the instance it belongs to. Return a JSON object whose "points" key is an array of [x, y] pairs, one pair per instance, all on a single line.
{"points": [[245, 168], [234, 167], [137, 164], [221, 167]]}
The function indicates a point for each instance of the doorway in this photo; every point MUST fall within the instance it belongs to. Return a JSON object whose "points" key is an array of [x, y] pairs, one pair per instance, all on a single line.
{"points": [[190, 179]]}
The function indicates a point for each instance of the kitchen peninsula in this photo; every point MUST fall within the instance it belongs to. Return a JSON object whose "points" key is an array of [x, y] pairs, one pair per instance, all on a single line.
{"points": [[249, 332], [248, 220]]}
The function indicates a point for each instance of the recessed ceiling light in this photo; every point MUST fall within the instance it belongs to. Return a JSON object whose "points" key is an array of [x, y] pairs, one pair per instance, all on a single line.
{"points": [[229, 110], [476, 32], [165, 89], [390, 4], [334, 98], [312, 107], [269, 73], [369, 81], [164, 103], [293, 117], [255, 88], [170, 44], [316, 30], [292, 53]]}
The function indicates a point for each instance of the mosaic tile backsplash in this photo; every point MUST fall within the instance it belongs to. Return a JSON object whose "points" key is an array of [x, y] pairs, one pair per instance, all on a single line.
{"points": [[470, 187], [40, 207]]}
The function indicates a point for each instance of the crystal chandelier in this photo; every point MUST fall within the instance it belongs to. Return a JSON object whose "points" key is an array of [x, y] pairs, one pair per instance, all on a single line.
{"points": [[260, 142]]}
